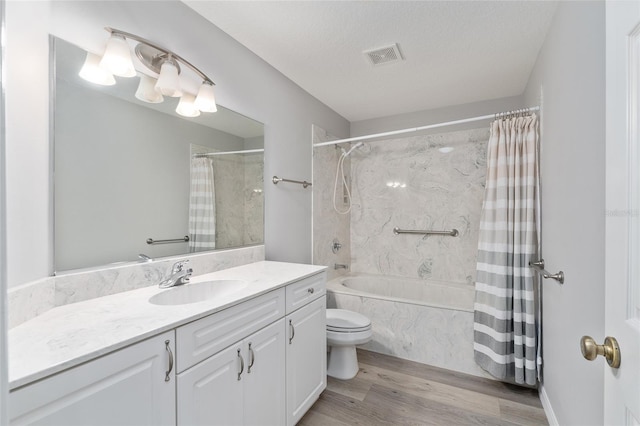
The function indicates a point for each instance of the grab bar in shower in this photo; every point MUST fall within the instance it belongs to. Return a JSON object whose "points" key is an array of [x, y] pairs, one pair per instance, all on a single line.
{"points": [[304, 183], [452, 233], [539, 267], [185, 239]]}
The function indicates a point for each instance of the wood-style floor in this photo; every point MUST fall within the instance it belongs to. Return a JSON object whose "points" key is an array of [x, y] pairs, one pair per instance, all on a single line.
{"points": [[393, 391]]}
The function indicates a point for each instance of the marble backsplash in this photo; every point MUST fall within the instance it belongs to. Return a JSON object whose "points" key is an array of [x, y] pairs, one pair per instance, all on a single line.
{"points": [[431, 182], [327, 224], [32, 299]]}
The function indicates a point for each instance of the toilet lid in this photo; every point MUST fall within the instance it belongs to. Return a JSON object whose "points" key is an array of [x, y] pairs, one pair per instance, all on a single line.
{"points": [[338, 319]]}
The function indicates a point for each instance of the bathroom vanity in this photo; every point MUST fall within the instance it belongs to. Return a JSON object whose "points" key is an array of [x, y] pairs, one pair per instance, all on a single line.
{"points": [[253, 355]]}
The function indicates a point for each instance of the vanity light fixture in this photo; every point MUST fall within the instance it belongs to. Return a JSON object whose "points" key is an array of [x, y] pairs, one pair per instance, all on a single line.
{"points": [[169, 81], [147, 90], [156, 60], [117, 57], [206, 100], [93, 72], [187, 107]]}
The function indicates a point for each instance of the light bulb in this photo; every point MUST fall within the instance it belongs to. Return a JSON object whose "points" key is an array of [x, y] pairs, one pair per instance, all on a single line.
{"points": [[206, 100], [117, 57], [186, 106], [147, 90], [92, 72], [168, 81]]}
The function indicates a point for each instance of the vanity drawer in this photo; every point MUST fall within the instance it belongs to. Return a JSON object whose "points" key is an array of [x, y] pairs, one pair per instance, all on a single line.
{"points": [[205, 337], [306, 290]]}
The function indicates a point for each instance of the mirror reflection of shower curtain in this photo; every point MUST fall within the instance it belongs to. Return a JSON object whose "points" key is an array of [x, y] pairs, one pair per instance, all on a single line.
{"points": [[202, 206]]}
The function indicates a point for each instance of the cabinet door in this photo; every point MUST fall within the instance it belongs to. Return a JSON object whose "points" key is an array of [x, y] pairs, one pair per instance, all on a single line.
{"points": [[210, 393], [264, 381], [126, 387], [306, 358]]}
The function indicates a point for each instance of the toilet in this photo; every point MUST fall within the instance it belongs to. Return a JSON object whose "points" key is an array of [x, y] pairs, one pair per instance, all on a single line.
{"points": [[345, 330]]}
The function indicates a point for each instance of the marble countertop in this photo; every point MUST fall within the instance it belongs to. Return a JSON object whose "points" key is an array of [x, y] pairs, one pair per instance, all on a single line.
{"points": [[69, 335]]}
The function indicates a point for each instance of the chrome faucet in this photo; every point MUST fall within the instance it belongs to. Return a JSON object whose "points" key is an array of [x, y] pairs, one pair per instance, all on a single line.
{"points": [[178, 276], [340, 266]]}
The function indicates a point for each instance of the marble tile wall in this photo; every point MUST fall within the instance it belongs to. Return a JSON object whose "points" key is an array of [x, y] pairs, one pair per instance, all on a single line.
{"points": [[327, 224], [30, 300], [253, 198], [239, 198], [229, 177], [421, 182]]}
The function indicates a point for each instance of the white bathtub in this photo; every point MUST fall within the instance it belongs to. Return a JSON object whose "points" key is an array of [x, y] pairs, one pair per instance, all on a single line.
{"points": [[425, 321]]}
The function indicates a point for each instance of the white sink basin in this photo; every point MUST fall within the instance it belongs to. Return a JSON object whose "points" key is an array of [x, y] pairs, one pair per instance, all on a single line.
{"points": [[197, 292]]}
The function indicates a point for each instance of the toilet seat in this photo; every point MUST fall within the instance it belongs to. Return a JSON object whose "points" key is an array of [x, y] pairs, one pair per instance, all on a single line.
{"points": [[341, 320], [348, 329]]}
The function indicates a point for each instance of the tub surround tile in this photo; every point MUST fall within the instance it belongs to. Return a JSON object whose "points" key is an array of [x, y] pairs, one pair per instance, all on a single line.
{"points": [[253, 198], [30, 300], [228, 172], [411, 184], [327, 223]]}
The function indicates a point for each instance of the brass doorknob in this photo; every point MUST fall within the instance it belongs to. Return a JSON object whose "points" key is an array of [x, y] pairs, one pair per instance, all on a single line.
{"points": [[610, 350]]}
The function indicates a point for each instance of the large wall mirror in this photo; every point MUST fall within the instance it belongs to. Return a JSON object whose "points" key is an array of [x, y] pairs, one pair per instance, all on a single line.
{"points": [[127, 171]]}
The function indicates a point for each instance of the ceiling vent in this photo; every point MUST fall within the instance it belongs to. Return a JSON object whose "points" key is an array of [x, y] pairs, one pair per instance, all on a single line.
{"points": [[384, 55]]}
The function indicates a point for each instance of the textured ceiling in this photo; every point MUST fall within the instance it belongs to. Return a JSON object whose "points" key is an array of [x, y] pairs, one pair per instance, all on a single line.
{"points": [[455, 52]]}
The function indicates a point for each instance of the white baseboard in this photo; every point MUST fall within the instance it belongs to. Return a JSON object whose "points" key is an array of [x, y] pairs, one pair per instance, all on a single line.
{"points": [[548, 410]]}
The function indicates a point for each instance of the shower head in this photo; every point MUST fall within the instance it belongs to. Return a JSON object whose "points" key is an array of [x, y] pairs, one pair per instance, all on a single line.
{"points": [[346, 153]]}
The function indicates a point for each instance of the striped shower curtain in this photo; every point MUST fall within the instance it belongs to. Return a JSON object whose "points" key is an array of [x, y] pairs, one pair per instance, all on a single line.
{"points": [[202, 206], [505, 329]]}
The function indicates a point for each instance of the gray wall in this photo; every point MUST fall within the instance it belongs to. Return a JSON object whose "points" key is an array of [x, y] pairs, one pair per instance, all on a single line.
{"points": [[245, 84], [431, 116], [4, 418], [570, 75]]}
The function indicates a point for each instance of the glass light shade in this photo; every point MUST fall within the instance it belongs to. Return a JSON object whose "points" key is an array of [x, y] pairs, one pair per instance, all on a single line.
{"points": [[147, 90], [168, 81], [186, 106], [117, 57], [206, 100], [92, 72]]}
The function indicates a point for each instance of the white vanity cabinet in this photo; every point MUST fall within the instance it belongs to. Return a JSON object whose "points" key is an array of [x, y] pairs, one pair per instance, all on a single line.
{"points": [[306, 358], [242, 385], [231, 365], [134, 385], [270, 377]]}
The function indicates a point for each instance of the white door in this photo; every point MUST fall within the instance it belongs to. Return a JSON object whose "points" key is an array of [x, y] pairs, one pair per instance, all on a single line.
{"points": [[306, 358], [622, 294], [210, 393], [127, 387], [264, 385]]}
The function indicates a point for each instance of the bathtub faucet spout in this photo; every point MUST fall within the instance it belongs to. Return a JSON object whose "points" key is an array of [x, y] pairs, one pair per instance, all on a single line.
{"points": [[340, 266]]}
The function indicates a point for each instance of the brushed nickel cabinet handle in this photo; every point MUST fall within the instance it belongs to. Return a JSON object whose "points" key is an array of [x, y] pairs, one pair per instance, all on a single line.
{"points": [[251, 359], [167, 377], [241, 364], [292, 330]]}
